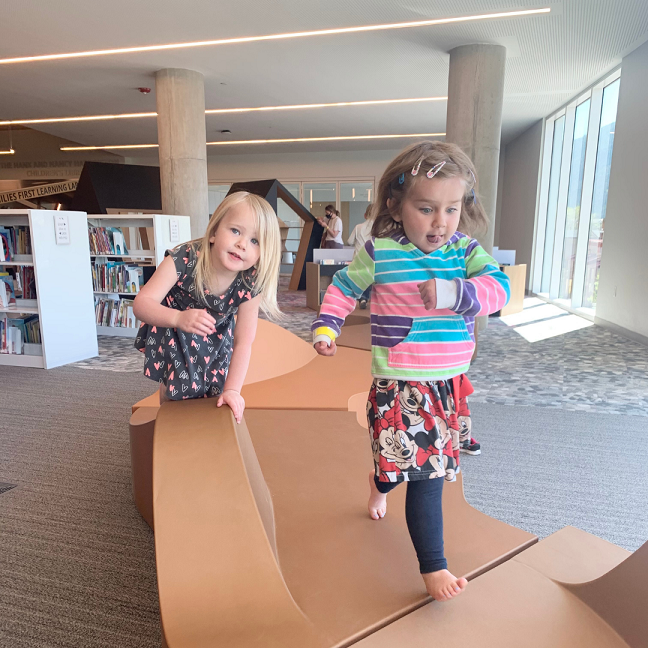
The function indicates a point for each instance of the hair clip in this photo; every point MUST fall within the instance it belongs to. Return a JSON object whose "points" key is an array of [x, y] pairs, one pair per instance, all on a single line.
{"points": [[435, 169], [401, 179], [416, 167], [473, 177]]}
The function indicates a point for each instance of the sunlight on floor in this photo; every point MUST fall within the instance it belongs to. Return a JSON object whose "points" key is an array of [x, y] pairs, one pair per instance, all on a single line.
{"points": [[540, 321], [553, 327], [532, 314]]}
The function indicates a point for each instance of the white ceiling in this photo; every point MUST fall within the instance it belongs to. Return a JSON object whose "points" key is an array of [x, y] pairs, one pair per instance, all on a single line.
{"points": [[550, 58]]}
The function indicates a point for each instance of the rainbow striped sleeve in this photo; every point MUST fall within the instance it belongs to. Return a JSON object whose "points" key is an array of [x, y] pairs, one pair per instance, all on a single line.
{"points": [[486, 290], [347, 286]]}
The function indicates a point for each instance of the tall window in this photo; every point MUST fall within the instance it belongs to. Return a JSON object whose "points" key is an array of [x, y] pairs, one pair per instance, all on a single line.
{"points": [[576, 168], [574, 199], [552, 206], [599, 199]]}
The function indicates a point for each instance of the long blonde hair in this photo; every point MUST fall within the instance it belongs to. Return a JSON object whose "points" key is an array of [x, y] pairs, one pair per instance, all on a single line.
{"points": [[397, 180], [267, 279]]}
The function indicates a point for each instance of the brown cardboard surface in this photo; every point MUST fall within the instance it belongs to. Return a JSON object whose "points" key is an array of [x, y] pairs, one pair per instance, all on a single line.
{"points": [[324, 383], [620, 597], [275, 351], [355, 337], [141, 426], [610, 580], [573, 556], [512, 606], [218, 579], [537, 597], [348, 573]]}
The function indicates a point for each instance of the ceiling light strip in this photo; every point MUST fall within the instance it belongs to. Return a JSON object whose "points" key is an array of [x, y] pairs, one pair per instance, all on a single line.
{"points": [[7, 152], [82, 118], [220, 111], [251, 39], [321, 139], [375, 102], [259, 141]]}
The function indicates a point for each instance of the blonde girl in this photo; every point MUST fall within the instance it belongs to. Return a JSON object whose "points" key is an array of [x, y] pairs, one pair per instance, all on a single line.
{"points": [[192, 344]]}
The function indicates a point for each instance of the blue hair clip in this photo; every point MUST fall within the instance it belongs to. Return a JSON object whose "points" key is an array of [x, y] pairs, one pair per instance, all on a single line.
{"points": [[401, 179]]}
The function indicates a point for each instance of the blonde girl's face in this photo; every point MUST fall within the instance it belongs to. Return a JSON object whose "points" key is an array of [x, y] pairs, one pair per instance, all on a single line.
{"points": [[430, 211], [235, 243]]}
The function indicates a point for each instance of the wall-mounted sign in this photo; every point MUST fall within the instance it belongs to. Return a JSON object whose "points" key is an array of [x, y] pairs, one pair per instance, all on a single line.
{"points": [[39, 191], [174, 228], [62, 229]]}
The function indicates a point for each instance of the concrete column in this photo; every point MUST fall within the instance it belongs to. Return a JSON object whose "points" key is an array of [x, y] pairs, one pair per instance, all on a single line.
{"points": [[474, 121], [182, 137]]}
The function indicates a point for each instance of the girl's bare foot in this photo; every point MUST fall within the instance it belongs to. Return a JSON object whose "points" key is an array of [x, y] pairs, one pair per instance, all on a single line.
{"points": [[377, 501], [442, 585]]}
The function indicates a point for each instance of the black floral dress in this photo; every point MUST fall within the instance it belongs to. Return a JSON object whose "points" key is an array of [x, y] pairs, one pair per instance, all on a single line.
{"points": [[191, 365]]}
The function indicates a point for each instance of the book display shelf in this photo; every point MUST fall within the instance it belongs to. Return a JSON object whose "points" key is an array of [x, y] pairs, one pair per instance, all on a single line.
{"points": [[124, 251], [49, 289]]}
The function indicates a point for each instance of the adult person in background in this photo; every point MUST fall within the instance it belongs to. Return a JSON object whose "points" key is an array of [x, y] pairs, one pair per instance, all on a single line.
{"points": [[332, 224], [360, 235]]}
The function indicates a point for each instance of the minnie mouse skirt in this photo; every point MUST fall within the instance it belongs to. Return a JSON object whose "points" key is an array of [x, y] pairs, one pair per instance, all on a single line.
{"points": [[416, 428]]}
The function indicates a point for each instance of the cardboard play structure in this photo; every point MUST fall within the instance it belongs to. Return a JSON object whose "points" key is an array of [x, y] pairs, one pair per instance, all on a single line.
{"points": [[263, 539]]}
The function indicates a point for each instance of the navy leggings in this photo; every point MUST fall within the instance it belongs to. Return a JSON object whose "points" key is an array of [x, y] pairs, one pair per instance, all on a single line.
{"points": [[424, 515]]}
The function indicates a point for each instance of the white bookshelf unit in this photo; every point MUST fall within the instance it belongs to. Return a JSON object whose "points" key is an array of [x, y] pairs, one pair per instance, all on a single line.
{"points": [[163, 232], [64, 302]]}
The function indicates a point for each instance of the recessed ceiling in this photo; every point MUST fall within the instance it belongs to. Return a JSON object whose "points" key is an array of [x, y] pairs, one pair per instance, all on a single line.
{"points": [[550, 58]]}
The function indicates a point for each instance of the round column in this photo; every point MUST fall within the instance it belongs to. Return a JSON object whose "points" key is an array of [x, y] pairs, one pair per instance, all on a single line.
{"points": [[474, 120], [182, 138]]}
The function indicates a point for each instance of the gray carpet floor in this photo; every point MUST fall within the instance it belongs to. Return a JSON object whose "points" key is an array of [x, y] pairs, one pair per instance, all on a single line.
{"points": [[77, 562], [77, 566]]}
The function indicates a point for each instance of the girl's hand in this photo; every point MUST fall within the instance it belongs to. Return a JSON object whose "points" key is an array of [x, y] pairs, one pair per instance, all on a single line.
{"points": [[428, 294], [324, 349], [195, 320], [235, 401]]}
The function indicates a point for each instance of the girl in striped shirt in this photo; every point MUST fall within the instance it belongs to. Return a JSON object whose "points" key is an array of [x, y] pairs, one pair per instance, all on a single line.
{"points": [[428, 282]]}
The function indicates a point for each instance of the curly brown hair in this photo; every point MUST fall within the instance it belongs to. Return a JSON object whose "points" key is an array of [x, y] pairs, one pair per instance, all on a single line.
{"points": [[473, 219]]}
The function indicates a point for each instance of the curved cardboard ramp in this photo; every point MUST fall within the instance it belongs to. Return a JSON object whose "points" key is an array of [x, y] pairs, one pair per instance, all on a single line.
{"points": [[218, 578], [275, 351], [141, 427], [332, 576], [324, 383], [349, 574], [355, 337], [535, 600]]}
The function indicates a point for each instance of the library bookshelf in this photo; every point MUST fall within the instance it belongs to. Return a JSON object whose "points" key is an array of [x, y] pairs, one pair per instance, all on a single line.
{"points": [[64, 302], [147, 237]]}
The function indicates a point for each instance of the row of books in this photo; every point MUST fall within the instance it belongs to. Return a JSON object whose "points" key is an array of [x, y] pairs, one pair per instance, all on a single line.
{"points": [[115, 312], [14, 240], [116, 276], [107, 240], [16, 332], [7, 291], [21, 282]]}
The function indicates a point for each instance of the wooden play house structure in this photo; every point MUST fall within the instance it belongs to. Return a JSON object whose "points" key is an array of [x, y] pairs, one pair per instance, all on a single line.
{"points": [[272, 191]]}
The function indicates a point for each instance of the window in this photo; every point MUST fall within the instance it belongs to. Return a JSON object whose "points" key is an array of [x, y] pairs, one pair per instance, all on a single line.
{"points": [[574, 200], [599, 198], [573, 195]]}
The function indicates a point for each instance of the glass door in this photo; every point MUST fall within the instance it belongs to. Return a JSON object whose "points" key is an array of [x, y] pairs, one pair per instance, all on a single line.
{"points": [[355, 197]]}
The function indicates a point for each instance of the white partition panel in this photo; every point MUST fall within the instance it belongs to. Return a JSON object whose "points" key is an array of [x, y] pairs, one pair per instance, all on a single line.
{"points": [[64, 288]]}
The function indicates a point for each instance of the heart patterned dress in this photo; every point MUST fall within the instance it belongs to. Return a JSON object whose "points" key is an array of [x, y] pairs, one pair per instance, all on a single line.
{"points": [[190, 365]]}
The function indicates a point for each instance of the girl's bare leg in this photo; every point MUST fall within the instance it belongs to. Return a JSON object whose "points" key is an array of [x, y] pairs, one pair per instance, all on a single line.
{"points": [[377, 501]]}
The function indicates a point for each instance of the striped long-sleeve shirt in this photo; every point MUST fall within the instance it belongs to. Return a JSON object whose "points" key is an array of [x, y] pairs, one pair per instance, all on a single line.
{"points": [[409, 342]]}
